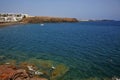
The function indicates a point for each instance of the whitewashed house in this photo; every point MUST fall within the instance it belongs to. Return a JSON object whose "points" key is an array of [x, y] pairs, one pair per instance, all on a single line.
{"points": [[9, 17]]}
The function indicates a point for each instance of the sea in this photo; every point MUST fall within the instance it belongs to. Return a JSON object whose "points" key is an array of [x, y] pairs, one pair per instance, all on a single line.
{"points": [[91, 50]]}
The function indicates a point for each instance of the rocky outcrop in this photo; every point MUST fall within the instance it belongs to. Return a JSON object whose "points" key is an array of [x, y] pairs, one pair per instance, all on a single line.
{"points": [[41, 19], [10, 72]]}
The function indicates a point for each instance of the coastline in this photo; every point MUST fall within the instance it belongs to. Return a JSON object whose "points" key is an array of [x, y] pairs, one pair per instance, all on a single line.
{"points": [[23, 19], [10, 23]]}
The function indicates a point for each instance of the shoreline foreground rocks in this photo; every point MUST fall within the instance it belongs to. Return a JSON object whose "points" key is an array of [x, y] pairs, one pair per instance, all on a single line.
{"points": [[32, 69], [11, 72]]}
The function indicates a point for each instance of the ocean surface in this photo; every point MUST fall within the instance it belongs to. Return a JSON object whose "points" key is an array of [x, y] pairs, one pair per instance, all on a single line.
{"points": [[91, 50]]}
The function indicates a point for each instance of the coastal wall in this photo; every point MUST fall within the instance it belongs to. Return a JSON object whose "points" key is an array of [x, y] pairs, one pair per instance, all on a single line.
{"points": [[42, 19]]}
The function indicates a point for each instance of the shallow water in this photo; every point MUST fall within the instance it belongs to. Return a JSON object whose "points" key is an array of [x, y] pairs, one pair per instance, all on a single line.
{"points": [[90, 49]]}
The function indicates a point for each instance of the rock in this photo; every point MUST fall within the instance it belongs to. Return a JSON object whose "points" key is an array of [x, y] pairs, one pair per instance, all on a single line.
{"points": [[10, 72]]}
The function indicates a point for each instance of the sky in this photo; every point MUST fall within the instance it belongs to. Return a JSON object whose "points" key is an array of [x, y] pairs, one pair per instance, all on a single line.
{"points": [[80, 9]]}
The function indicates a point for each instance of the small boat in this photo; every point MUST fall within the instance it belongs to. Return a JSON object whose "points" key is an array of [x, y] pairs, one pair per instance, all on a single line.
{"points": [[42, 24]]}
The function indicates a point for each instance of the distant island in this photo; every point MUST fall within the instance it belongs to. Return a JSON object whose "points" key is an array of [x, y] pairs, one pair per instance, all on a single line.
{"points": [[94, 20]]}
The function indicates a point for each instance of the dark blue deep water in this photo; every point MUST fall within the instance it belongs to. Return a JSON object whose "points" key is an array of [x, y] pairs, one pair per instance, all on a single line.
{"points": [[90, 49]]}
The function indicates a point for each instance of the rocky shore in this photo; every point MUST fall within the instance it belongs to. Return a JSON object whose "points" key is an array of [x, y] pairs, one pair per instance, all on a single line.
{"points": [[11, 72], [32, 69]]}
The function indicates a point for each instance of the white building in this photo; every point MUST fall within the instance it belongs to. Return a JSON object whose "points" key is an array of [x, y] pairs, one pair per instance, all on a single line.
{"points": [[9, 17]]}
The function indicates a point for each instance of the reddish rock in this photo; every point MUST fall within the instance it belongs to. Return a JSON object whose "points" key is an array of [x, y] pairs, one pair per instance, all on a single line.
{"points": [[8, 72], [11, 72]]}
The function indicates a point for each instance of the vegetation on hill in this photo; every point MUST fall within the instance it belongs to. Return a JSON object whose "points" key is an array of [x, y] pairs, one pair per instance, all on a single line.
{"points": [[41, 19]]}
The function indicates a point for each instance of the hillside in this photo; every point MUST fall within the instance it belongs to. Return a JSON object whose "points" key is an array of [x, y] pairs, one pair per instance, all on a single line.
{"points": [[41, 19]]}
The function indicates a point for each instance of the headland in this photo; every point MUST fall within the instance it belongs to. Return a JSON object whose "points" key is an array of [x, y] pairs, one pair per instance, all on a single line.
{"points": [[7, 19]]}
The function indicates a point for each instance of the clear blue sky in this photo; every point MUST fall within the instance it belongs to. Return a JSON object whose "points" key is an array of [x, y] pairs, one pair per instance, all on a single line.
{"points": [[81, 9]]}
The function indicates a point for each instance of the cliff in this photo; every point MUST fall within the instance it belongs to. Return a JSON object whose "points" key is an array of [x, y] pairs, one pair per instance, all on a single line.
{"points": [[41, 19]]}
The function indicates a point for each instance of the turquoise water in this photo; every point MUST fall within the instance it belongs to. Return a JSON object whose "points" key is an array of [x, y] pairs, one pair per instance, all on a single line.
{"points": [[89, 49]]}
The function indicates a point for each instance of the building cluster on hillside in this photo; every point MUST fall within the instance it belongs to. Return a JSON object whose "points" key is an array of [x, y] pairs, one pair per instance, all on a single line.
{"points": [[10, 17]]}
